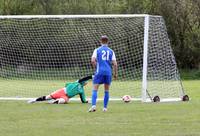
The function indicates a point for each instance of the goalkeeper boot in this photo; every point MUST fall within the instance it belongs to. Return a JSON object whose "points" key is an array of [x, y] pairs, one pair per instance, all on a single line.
{"points": [[92, 109], [32, 101], [53, 101]]}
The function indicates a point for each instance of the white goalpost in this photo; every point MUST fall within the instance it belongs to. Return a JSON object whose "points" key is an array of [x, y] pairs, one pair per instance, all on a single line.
{"points": [[39, 53]]}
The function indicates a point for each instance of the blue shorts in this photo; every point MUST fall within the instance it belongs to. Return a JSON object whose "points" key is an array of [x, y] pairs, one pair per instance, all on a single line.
{"points": [[102, 79]]}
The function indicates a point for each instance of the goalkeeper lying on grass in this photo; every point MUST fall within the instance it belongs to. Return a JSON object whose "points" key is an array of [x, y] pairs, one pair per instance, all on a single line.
{"points": [[63, 95]]}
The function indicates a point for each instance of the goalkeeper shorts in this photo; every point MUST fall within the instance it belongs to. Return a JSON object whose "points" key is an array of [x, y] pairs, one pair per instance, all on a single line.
{"points": [[60, 93], [102, 79]]}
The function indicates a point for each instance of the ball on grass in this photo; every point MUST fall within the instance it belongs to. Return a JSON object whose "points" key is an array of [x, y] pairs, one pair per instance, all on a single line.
{"points": [[126, 98]]}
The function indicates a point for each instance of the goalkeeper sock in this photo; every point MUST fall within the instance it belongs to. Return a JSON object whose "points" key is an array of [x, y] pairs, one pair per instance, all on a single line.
{"points": [[42, 98], [94, 97], [106, 98]]}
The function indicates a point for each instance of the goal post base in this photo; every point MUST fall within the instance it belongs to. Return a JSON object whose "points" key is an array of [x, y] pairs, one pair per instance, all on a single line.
{"points": [[185, 98]]}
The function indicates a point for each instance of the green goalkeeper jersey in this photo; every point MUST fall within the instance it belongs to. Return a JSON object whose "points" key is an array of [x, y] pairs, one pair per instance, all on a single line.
{"points": [[75, 88]]}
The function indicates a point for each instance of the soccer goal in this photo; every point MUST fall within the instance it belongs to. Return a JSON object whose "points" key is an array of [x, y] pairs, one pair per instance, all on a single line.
{"points": [[38, 54]]}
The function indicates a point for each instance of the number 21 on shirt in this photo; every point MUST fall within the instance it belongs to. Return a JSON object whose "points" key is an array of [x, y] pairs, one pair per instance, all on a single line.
{"points": [[105, 55]]}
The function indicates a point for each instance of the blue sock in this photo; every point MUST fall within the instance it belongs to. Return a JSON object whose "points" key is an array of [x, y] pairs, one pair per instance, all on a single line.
{"points": [[94, 97], [106, 98]]}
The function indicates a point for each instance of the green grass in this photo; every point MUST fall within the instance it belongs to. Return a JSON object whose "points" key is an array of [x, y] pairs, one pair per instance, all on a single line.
{"points": [[140, 119]]}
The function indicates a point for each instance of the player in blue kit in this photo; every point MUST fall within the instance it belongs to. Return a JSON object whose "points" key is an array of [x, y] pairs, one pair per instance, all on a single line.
{"points": [[102, 60]]}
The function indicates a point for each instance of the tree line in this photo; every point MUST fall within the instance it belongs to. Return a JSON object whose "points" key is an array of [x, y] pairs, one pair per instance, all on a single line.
{"points": [[182, 18]]}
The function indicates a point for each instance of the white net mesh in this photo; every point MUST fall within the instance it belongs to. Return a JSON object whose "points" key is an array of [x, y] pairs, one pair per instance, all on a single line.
{"points": [[38, 55], [163, 78]]}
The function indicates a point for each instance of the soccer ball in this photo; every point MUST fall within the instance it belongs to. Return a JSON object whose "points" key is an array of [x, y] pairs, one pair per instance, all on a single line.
{"points": [[126, 98]]}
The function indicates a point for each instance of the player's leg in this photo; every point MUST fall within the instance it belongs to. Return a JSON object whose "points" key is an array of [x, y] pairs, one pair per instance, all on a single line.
{"points": [[60, 101], [97, 80], [107, 82], [94, 97], [94, 94], [106, 96], [41, 98], [55, 95], [59, 97]]}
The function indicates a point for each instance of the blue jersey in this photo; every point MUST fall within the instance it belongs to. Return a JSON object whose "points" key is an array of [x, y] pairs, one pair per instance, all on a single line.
{"points": [[104, 57]]}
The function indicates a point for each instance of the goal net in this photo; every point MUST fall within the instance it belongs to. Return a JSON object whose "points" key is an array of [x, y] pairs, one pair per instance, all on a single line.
{"points": [[38, 54]]}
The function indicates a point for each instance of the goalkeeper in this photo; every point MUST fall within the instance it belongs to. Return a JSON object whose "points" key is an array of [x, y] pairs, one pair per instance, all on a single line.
{"points": [[62, 96]]}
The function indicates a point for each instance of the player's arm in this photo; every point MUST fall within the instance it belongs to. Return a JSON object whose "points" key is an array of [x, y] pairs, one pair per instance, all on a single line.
{"points": [[84, 79], [115, 68], [83, 98], [93, 59], [114, 62]]}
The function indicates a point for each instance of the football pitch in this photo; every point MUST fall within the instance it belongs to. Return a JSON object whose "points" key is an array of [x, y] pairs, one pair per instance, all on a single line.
{"points": [[122, 119]]}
